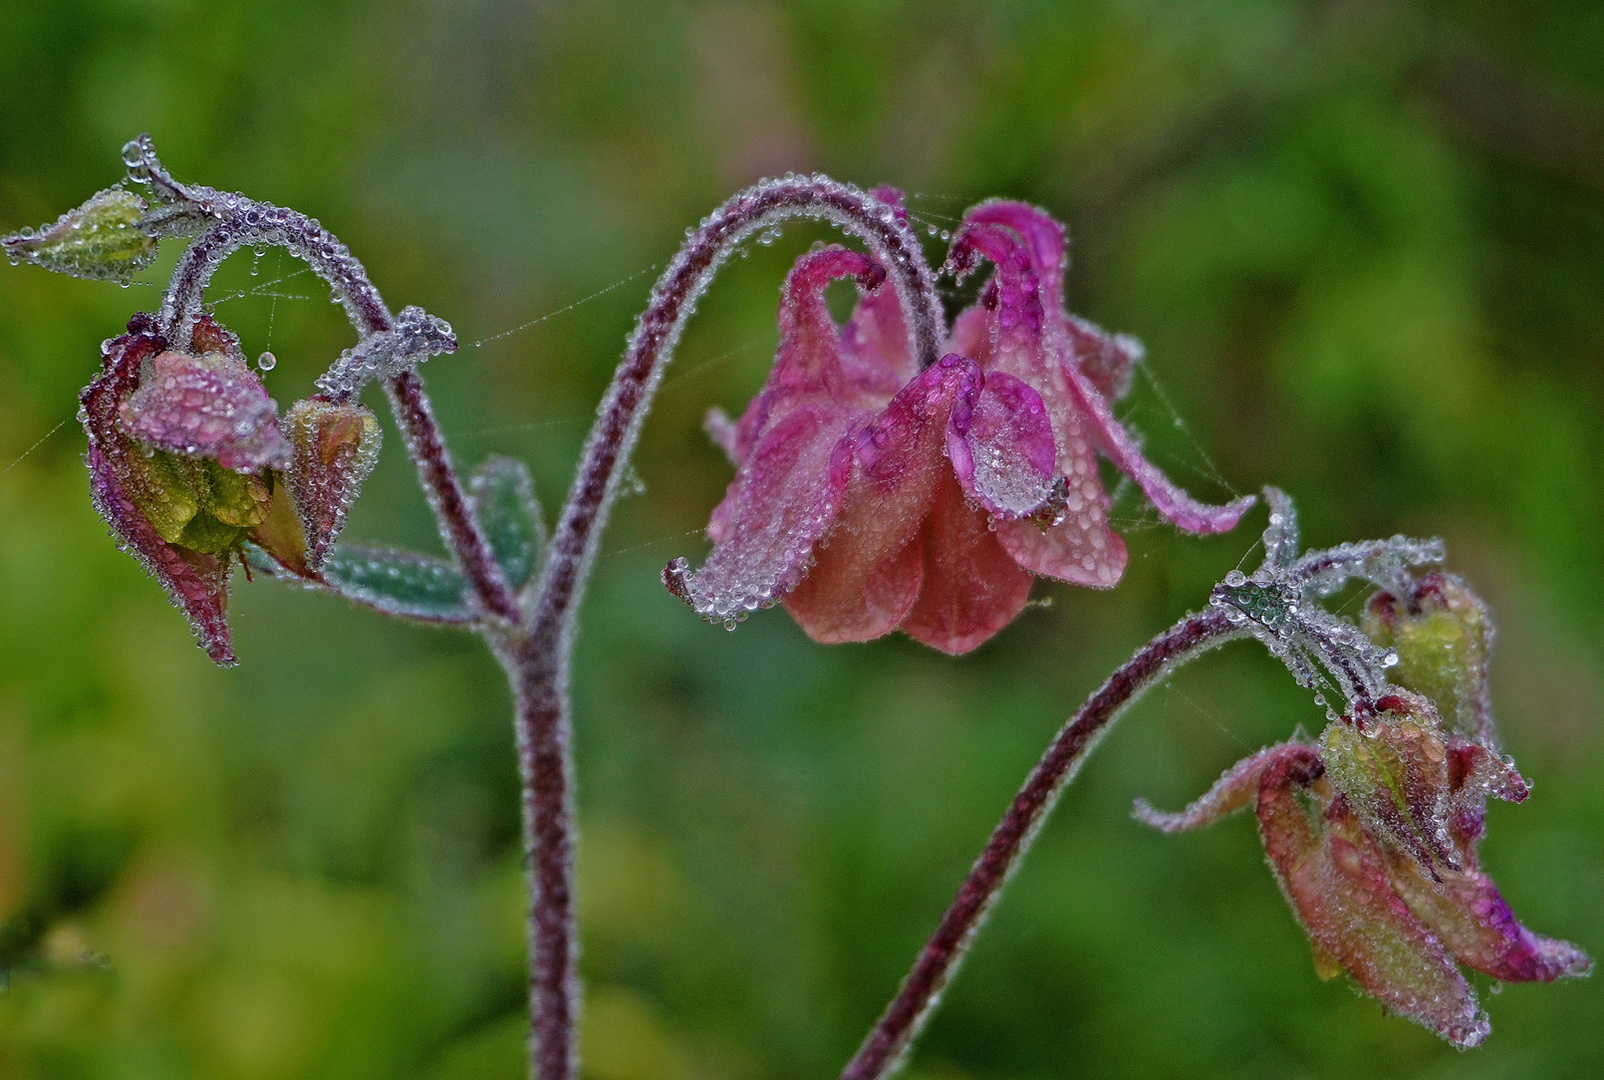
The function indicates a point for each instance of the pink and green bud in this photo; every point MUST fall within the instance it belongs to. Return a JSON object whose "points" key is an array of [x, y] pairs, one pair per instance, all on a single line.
{"points": [[182, 449], [1344, 825], [336, 446], [104, 239], [1443, 637]]}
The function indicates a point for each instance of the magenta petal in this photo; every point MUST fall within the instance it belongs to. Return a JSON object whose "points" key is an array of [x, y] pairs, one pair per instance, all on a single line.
{"points": [[782, 500], [1470, 916], [1187, 513], [1002, 447], [1043, 237], [210, 406]]}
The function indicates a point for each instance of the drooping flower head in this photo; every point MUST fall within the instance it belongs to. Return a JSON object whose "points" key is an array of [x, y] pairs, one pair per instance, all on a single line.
{"points": [[872, 496], [1372, 829], [187, 460]]}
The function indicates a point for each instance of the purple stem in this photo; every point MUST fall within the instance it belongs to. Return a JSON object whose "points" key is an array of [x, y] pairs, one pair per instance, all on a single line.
{"points": [[541, 660], [905, 1016]]}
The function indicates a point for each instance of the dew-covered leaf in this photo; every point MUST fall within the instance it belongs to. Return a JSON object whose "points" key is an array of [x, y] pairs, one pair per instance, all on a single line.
{"points": [[504, 502], [399, 583]]}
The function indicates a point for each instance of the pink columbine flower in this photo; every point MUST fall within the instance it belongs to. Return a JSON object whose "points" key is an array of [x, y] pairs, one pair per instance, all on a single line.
{"points": [[872, 496]]}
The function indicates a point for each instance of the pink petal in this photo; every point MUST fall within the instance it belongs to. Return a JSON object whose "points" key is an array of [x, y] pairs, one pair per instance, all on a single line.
{"points": [[1106, 359], [972, 588], [793, 451], [211, 406], [1081, 547], [1044, 241], [869, 568], [1338, 884], [875, 352], [808, 366], [782, 500], [1002, 448]]}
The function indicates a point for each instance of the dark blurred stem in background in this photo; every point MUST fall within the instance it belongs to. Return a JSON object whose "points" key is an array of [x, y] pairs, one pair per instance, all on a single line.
{"points": [[907, 1013]]}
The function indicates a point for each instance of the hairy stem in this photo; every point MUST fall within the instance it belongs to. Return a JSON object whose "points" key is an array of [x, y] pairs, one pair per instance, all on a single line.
{"points": [[543, 656], [905, 1016], [545, 765]]}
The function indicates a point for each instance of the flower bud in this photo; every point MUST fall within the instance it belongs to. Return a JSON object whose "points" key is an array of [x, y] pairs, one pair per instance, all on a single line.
{"points": [[1394, 771], [336, 446], [1443, 635], [103, 239]]}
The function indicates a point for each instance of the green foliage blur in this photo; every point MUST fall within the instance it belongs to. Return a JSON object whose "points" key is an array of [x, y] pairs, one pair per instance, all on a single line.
{"points": [[1364, 244]]}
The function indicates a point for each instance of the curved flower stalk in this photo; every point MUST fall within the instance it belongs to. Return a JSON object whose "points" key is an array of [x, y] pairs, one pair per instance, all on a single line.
{"points": [[876, 493], [1371, 830]]}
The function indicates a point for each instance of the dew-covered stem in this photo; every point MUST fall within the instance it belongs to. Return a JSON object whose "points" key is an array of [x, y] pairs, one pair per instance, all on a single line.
{"points": [[542, 657], [440, 481], [545, 766], [905, 1016], [244, 222]]}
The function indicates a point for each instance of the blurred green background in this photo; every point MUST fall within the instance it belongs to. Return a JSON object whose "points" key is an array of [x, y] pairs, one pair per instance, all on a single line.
{"points": [[1364, 243]]}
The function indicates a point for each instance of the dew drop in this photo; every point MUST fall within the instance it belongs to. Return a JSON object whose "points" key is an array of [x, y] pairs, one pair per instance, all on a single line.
{"points": [[266, 361], [1236, 579]]}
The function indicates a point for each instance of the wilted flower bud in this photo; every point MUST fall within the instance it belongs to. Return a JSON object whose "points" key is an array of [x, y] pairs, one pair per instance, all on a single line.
{"points": [[103, 239], [180, 451], [1372, 835], [1443, 638]]}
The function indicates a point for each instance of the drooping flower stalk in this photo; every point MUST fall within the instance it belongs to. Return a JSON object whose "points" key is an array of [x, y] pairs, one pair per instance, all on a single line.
{"points": [[540, 661], [938, 961], [1370, 891]]}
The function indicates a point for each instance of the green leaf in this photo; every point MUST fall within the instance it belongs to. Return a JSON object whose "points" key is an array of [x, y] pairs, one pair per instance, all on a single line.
{"points": [[504, 502], [399, 583]]}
